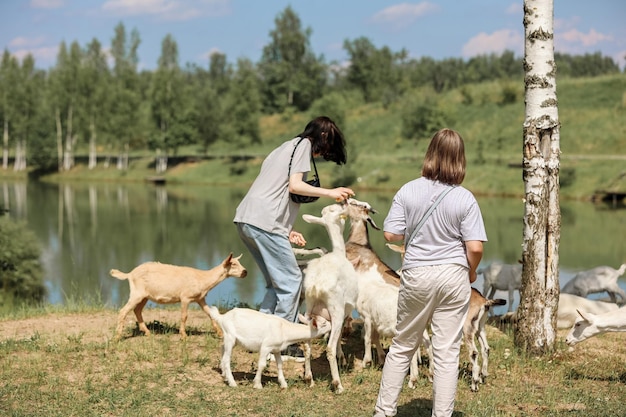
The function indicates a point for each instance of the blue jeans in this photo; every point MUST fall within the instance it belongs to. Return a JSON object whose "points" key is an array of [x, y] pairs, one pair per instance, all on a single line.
{"points": [[283, 278]]}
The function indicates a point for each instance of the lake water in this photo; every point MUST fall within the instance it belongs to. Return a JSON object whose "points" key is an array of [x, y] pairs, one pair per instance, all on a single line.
{"points": [[85, 230]]}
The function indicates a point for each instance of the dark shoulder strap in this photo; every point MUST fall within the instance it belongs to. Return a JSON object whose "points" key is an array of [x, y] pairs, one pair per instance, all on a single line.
{"points": [[291, 160]]}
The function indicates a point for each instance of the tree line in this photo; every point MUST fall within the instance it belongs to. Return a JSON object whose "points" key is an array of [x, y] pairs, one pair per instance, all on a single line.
{"points": [[114, 108]]}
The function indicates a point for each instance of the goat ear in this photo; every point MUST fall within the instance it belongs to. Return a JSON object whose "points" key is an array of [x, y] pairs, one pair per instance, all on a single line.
{"points": [[227, 261], [371, 222], [312, 219], [395, 248], [355, 261], [303, 319], [586, 316]]}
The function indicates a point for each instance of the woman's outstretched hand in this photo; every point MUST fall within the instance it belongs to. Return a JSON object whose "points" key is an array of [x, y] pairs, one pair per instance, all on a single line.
{"points": [[296, 238]]}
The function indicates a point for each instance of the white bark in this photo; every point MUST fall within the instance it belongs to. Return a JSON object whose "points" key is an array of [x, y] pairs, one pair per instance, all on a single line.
{"points": [[57, 117], [536, 331], [5, 145], [67, 155], [92, 145]]}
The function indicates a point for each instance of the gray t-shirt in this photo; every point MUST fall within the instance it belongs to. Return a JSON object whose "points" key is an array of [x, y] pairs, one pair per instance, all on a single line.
{"points": [[441, 239], [267, 204]]}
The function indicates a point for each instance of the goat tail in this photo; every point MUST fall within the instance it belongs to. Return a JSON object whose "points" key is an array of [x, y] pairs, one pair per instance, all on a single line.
{"points": [[216, 320], [495, 302], [118, 274], [215, 315]]}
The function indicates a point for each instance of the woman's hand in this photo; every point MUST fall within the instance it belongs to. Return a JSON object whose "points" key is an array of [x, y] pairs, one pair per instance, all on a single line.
{"points": [[296, 238], [341, 193]]}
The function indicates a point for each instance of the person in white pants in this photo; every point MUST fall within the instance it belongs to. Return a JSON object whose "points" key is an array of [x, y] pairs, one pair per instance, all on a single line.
{"points": [[444, 237]]}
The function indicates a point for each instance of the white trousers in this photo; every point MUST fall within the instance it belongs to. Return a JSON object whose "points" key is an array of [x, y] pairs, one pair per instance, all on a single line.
{"points": [[440, 295]]}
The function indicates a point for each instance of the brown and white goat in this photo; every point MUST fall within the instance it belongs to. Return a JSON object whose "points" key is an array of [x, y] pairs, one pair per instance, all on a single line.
{"points": [[168, 284], [474, 327], [377, 301]]}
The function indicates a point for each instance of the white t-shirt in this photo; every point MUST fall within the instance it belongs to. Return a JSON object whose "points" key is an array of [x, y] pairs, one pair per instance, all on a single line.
{"points": [[441, 239], [267, 204]]}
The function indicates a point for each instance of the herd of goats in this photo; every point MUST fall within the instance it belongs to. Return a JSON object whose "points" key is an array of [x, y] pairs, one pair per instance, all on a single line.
{"points": [[351, 276]]}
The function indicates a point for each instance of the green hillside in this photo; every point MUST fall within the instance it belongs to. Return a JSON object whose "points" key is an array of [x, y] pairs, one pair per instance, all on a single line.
{"points": [[489, 116]]}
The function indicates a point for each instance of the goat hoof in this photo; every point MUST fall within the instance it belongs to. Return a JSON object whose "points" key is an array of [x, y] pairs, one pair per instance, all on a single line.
{"points": [[338, 388]]}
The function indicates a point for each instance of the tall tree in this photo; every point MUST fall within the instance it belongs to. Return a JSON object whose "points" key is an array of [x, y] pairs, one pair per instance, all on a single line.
{"points": [[208, 97], [375, 72], [125, 97], [220, 72], [242, 106], [26, 105], [292, 75], [95, 80], [60, 97], [536, 314], [9, 74]]}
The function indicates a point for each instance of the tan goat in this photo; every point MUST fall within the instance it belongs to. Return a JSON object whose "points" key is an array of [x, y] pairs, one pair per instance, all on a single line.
{"points": [[168, 284]]}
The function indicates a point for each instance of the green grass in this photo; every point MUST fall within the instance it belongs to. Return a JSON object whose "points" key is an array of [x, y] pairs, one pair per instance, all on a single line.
{"points": [[68, 372]]}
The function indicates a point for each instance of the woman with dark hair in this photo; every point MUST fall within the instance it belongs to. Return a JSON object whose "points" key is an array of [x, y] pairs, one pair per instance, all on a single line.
{"points": [[266, 215], [443, 232]]}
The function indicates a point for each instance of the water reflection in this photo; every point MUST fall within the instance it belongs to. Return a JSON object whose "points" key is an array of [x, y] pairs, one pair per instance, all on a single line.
{"points": [[87, 229]]}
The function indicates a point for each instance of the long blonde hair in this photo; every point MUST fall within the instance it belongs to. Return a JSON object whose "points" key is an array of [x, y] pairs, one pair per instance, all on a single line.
{"points": [[445, 158]]}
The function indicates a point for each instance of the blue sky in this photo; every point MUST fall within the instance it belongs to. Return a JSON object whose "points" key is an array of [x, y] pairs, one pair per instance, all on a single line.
{"points": [[240, 28]]}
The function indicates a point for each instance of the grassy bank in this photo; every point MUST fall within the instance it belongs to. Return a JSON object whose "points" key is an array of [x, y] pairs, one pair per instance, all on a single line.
{"points": [[64, 363]]}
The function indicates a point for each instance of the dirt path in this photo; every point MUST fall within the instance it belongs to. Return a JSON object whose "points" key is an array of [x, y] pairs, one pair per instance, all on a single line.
{"points": [[91, 327]]}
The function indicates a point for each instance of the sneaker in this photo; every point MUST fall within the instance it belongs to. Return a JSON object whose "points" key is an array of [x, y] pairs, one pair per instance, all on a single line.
{"points": [[292, 353]]}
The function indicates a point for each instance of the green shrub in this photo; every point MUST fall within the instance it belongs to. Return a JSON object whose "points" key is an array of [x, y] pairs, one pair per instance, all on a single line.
{"points": [[21, 274]]}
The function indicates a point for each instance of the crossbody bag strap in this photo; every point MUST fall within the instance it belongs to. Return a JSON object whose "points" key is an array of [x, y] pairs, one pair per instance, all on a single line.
{"points": [[427, 215], [291, 160]]}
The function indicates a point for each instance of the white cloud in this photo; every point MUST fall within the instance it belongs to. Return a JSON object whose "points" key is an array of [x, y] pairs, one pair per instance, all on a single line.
{"points": [[514, 8], [403, 14], [585, 39], [46, 4], [495, 42], [22, 42], [208, 54], [46, 54], [168, 9]]}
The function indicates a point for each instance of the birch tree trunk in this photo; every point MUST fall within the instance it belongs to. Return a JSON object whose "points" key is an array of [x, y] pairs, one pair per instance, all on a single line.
{"points": [[67, 156], [92, 145], [539, 295], [57, 117], [5, 145]]}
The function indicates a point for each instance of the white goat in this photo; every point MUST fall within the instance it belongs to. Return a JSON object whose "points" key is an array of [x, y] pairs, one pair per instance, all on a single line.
{"points": [[598, 279], [330, 288], [377, 304], [168, 284], [590, 324], [502, 277], [473, 327], [263, 333], [569, 303]]}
